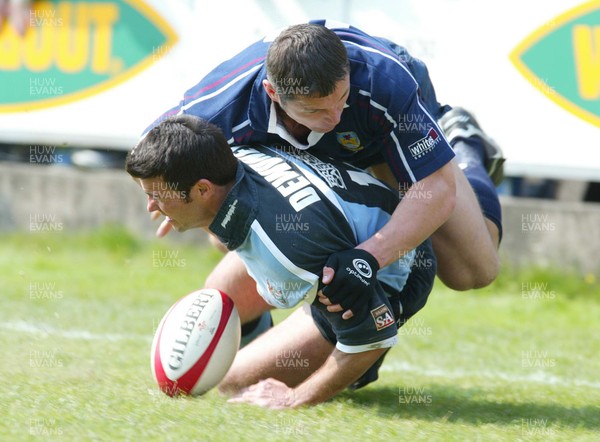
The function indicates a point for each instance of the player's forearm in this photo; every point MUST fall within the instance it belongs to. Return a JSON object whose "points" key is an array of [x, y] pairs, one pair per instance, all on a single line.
{"points": [[424, 208], [336, 374]]}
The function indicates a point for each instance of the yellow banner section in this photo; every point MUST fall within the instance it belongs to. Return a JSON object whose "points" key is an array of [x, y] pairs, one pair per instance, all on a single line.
{"points": [[83, 44], [586, 48]]}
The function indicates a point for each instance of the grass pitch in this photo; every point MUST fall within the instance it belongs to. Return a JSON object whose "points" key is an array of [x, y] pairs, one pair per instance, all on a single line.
{"points": [[515, 361]]}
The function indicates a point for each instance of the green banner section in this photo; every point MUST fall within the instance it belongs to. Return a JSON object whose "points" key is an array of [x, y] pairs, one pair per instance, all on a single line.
{"points": [[74, 49], [562, 60]]}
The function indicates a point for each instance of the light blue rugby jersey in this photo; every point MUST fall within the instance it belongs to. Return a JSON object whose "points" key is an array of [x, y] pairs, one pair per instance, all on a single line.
{"points": [[290, 210]]}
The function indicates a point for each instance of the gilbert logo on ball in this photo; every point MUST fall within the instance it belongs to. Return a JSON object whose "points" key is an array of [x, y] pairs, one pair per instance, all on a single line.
{"points": [[195, 343]]}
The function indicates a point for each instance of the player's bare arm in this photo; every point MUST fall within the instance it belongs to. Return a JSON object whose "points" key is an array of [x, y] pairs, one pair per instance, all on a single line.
{"points": [[338, 372], [421, 212], [461, 266]]}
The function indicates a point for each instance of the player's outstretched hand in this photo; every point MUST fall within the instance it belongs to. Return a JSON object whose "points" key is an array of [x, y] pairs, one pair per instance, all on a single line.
{"points": [[165, 226], [349, 280], [269, 393]]}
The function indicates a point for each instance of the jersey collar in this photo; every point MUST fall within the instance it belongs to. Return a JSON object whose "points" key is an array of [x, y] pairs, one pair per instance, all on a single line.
{"points": [[263, 115], [235, 216], [276, 127]]}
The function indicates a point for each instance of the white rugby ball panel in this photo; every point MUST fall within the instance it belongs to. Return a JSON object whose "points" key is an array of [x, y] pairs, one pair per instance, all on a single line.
{"points": [[195, 343], [197, 318], [222, 356]]}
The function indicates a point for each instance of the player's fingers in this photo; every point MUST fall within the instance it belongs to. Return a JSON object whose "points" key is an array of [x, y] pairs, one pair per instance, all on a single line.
{"points": [[251, 387], [347, 314], [239, 399], [323, 299], [328, 274], [335, 308], [163, 229]]}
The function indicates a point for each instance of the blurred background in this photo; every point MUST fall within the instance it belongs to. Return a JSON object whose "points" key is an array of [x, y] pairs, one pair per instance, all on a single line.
{"points": [[80, 81]]}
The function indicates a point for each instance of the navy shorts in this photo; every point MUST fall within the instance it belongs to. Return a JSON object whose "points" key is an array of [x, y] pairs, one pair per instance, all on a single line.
{"points": [[403, 305]]}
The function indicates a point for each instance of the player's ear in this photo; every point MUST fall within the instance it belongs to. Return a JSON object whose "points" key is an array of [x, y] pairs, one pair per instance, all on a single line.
{"points": [[270, 90], [203, 187]]}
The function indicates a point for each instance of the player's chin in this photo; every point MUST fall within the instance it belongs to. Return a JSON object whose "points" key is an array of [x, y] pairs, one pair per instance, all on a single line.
{"points": [[176, 226]]}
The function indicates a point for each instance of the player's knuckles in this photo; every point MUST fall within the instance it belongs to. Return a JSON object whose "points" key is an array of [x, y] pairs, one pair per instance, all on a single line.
{"points": [[325, 301], [264, 389], [336, 288], [330, 291], [347, 305], [342, 296]]}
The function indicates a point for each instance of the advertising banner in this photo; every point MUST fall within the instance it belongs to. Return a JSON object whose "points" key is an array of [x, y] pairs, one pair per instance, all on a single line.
{"points": [[96, 73]]}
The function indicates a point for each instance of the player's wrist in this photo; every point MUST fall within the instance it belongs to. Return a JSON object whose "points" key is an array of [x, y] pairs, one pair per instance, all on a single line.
{"points": [[379, 256], [369, 258], [294, 400], [382, 246]]}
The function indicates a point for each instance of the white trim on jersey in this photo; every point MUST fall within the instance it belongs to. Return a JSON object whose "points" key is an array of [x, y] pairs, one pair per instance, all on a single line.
{"points": [[305, 275], [236, 128], [386, 343], [383, 54], [224, 88], [279, 129]]}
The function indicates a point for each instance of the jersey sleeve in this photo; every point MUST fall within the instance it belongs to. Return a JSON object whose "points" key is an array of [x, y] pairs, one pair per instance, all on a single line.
{"points": [[222, 96], [413, 144], [403, 127], [420, 147]]}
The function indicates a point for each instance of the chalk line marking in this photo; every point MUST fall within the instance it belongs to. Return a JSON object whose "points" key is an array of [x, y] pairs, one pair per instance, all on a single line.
{"points": [[538, 377], [388, 366], [48, 330]]}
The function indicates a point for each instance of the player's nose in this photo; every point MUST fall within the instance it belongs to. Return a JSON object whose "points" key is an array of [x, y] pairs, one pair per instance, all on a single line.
{"points": [[152, 206], [334, 116]]}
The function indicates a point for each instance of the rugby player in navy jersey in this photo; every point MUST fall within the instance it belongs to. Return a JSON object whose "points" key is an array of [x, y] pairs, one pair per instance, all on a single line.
{"points": [[242, 195], [330, 88]]}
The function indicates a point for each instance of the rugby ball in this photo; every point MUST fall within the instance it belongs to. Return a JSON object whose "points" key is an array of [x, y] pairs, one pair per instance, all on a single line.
{"points": [[195, 343]]}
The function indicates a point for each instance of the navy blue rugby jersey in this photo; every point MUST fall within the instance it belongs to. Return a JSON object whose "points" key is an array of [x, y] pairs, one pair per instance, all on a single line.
{"points": [[289, 211], [384, 118]]}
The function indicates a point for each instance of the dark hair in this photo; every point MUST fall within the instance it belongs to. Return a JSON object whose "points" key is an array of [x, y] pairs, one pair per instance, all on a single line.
{"points": [[308, 60], [182, 150]]}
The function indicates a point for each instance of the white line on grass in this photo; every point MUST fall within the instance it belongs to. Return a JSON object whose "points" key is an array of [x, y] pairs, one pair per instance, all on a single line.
{"points": [[537, 377], [48, 330]]}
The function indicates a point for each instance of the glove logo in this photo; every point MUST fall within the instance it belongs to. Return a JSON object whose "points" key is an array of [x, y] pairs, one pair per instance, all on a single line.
{"points": [[362, 267]]}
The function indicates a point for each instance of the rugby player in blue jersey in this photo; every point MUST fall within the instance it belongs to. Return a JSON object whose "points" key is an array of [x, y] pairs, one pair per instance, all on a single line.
{"points": [[243, 195], [330, 88]]}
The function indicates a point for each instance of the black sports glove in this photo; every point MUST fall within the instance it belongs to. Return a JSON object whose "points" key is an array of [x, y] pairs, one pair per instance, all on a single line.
{"points": [[355, 280]]}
